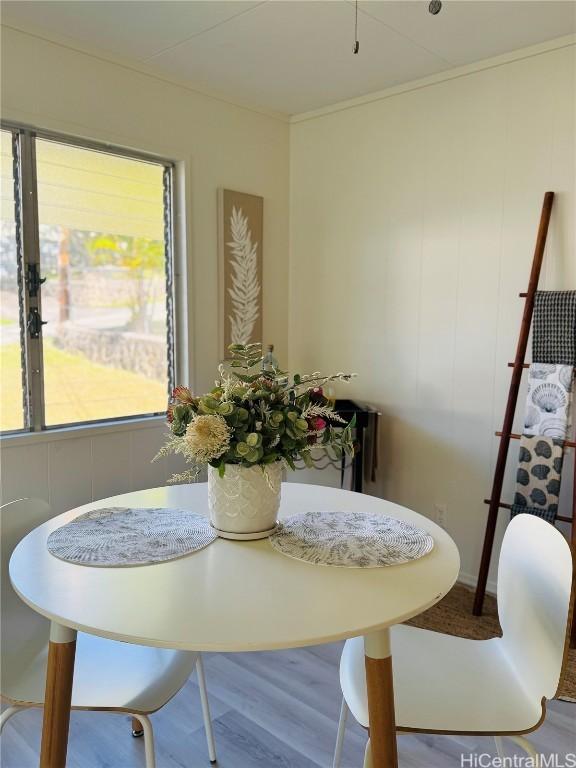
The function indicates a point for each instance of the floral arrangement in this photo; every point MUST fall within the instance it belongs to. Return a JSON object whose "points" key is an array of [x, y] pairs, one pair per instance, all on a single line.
{"points": [[256, 416]]}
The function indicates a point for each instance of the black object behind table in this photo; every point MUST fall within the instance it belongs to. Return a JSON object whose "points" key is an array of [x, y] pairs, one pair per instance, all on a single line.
{"points": [[366, 419]]}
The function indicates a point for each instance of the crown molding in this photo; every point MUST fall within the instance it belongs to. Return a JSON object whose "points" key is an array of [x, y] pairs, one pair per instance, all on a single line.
{"points": [[340, 106], [441, 77], [141, 68]]}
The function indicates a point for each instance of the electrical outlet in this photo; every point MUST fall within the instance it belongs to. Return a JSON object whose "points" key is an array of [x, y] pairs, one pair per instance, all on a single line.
{"points": [[441, 515]]}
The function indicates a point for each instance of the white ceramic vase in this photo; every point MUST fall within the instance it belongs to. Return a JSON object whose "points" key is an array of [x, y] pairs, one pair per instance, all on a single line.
{"points": [[244, 503]]}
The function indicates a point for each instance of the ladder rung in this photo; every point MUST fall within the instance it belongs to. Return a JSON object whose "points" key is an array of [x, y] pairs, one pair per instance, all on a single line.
{"points": [[522, 345], [524, 365], [514, 436], [501, 504], [504, 505]]}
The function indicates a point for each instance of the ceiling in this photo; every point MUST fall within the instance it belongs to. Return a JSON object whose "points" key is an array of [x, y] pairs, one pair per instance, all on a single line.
{"points": [[292, 56]]}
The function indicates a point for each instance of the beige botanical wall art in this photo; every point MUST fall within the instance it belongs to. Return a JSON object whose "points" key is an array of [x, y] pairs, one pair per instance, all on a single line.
{"points": [[240, 255]]}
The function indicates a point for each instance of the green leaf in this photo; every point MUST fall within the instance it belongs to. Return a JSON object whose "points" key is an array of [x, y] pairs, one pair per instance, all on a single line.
{"points": [[208, 405], [252, 455], [254, 440], [290, 463]]}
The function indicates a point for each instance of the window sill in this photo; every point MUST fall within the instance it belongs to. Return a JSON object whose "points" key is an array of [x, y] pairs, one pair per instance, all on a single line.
{"points": [[82, 430]]}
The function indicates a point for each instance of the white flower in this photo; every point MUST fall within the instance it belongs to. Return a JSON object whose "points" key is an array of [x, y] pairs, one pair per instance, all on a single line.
{"points": [[207, 437]]}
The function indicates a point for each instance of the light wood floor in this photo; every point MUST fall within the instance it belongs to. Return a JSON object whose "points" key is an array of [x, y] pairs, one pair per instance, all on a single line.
{"points": [[270, 710]]}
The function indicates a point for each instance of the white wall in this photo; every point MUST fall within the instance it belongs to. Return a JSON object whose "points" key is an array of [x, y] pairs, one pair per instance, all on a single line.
{"points": [[412, 228], [215, 144], [413, 221]]}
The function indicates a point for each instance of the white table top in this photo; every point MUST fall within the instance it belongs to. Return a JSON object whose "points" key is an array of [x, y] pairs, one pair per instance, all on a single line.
{"points": [[232, 595]]}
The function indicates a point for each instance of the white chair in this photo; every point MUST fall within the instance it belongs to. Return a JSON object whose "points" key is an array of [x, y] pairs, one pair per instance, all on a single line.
{"points": [[497, 687], [111, 676]]}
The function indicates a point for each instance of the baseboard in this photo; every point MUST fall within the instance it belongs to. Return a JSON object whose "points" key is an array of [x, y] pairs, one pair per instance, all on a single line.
{"points": [[470, 581]]}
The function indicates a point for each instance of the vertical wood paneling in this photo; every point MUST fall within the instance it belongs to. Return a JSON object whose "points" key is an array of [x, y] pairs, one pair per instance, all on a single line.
{"points": [[144, 445], [561, 270], [70, 470], [481, 191], [111, 467], [25, 472], [413, 225], [82, 469]]}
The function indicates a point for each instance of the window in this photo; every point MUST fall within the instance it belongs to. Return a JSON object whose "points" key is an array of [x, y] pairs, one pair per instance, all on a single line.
{"points": [[11, 321], [86, 296]]}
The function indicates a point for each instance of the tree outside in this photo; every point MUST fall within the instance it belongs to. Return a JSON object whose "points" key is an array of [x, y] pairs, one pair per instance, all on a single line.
{"points": [[104, 299]]}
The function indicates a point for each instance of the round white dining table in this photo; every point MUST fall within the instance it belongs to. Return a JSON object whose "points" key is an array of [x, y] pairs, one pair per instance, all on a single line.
{"points": [[230, 596]]}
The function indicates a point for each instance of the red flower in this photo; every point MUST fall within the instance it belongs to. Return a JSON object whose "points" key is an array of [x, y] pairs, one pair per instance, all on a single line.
{"points": [[317, 424], [316, 394], [182, 395]]}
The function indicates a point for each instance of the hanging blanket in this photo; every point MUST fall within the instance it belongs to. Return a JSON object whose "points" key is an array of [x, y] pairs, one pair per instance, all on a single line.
{"points": [[554, 327], [548, 404], [548, 401], [538, 477]]}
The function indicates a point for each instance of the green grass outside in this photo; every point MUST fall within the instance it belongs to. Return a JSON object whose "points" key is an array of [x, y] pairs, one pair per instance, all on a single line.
{"points": [[76, 389]]}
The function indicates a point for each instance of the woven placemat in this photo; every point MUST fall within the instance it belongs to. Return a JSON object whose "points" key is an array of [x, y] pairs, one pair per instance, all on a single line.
{"points": [[121, 536], [350, 539]]}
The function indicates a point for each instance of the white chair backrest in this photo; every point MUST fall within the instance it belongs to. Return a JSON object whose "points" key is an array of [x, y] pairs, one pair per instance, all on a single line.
{"points": [[534, 585], [23, 631]]}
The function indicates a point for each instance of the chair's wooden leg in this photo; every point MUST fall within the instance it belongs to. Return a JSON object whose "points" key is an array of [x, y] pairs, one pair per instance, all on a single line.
{"points": [[58, 696], [380, 691]]}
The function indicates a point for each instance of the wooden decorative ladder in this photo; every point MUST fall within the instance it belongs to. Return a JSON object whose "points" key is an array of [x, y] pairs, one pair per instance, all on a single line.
{"points": [[495, 501]]}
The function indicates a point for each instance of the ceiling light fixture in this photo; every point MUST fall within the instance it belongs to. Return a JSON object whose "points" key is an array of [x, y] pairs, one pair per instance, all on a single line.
{"points": [[434, 7]]}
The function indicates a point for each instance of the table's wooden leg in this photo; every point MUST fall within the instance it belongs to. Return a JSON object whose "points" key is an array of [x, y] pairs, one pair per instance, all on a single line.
{"points": [[380, 701], [58, 696]]}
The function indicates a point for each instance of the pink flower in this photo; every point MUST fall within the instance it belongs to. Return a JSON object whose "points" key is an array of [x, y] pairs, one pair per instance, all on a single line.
{"points": [[316, 394], [317, 424]]}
